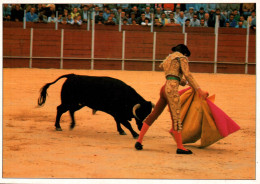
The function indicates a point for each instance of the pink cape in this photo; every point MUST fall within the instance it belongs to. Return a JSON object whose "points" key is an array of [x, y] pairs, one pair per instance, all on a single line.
{"points": [[202, 119]]}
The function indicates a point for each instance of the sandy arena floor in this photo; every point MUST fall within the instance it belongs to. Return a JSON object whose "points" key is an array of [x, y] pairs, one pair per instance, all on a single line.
{"points": [[94, 149]]}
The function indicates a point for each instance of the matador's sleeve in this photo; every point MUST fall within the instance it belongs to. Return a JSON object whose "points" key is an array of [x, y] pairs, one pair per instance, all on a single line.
{"points": [[165, 62], [187, 73]]}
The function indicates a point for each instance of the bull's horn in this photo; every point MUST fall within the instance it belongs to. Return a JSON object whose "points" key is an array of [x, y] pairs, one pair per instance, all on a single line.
{"points": [[134, 109], [153, 105]]}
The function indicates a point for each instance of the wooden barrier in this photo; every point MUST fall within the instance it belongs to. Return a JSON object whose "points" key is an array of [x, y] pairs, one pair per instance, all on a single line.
{"points": [[72, 47]]}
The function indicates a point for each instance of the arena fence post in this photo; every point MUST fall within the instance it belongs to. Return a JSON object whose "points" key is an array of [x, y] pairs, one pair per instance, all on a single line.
{"points": [[185, 38], [183, 28], [88, 25], [56, 21], [152, 23], [123, 51], [24, 20], [31, 48], [247, 45], [92, 42], [120, 23], [216, 44], [61, 48], [154, 49]]}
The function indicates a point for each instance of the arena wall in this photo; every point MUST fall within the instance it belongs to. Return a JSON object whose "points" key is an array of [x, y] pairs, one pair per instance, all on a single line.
{"points": [[70, 47]]}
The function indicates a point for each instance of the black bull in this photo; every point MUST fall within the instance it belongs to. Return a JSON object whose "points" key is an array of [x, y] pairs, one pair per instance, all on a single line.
{"points": [[100, 93]]}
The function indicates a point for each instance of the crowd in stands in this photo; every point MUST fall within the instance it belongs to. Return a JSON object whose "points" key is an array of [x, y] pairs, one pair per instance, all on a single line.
{"points": [[237, 15]]}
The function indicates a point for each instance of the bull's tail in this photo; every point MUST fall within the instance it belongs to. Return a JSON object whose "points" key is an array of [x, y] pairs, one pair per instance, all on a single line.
{"points": [[43, 91]]}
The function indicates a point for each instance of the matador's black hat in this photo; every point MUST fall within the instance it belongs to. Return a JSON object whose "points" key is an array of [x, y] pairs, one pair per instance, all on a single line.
{"points": [[182, 49]]}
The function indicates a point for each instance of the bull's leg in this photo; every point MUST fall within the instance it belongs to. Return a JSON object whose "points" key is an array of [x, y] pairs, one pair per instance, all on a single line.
{"points": [[119, 128], [72, 125], [72, 110], [60, 110], [129, 127]]}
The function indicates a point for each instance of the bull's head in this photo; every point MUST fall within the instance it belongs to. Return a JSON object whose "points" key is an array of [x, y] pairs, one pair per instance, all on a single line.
{"points": [[141, 111]]}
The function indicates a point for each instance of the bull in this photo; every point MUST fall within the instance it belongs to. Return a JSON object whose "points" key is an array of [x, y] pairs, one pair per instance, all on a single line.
{"points": [[105, 94]]}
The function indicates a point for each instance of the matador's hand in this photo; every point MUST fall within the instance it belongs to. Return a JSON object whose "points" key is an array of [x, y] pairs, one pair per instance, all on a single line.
{"points": [[203, 94]]}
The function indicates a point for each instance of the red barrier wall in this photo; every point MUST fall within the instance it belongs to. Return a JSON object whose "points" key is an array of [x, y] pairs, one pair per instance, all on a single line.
{"points": [[138, 47]]}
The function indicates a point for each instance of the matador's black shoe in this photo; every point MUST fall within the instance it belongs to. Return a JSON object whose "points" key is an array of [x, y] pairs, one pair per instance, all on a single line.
{"points": [[181, 151], [138, 146]]}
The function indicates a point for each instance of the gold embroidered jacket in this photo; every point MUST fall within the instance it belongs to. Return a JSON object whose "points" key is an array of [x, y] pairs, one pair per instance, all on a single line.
{"points": [[177, 64]]}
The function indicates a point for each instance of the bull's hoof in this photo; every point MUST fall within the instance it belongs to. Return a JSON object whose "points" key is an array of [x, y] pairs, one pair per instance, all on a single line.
{"points": [[135, 136], [122, 133], [138, 146], [58, 129], [72, 126]]}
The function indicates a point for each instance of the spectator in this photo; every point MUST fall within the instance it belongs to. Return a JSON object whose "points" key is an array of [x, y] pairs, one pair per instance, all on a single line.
{"points": [[206, 19], [106, 14], [147, 12], [141, 19], [136, 12], [75, 12], [171, 16], [168, 8], [181, 19], [99, 18], [84, 13], [172, 23], [31, 16], [125, 21], [63, 20], [42, 18], [17, 13], [247, 8], [96, 11], [112, 14], [240, 25], [52, 19], [190, 14], [70, 19], [202, 23], [224, 8], [211, 19], [65, 13], [157, 23], [222, 18], [158, 12], [236, 15], [77, 20], [188, 6], [242, 19], [200, 5], [125, 7], [251, 18], [49, 10], [253, 24], [232, 21], [6, 12], [211, 6], [123, 16], [163, 19], [227, 24], [201, 13], [132, 17], [134, 22], [59, 18], [146, 22], [177, 12], [109, 21], [232, 7], [187, 23], [195, 21]]}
